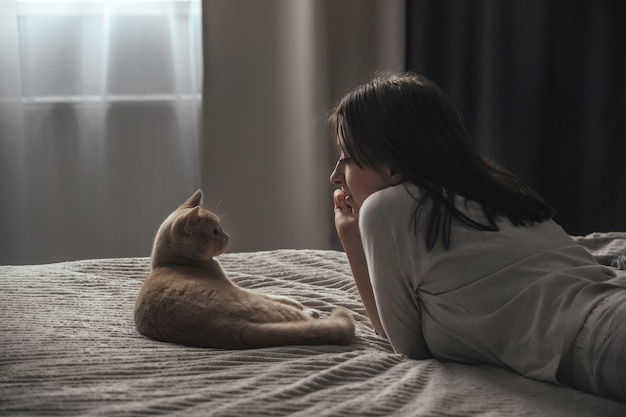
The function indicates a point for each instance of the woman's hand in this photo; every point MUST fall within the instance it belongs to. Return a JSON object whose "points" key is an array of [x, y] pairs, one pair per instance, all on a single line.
{"points": [[346, 218]]}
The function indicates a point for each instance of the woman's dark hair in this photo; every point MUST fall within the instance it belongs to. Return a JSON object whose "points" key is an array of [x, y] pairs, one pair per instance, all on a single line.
{"points": [[406, 122]]}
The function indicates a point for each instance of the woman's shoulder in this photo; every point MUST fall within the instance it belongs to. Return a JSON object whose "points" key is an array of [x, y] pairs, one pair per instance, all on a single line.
{"points": [[391, 202]]}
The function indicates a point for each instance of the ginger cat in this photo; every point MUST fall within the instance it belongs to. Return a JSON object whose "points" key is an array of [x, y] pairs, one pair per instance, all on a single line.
{"points": [[188, 299]]}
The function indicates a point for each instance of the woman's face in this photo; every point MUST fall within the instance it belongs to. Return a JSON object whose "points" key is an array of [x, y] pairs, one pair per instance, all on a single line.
{"points": [[357, 183]]}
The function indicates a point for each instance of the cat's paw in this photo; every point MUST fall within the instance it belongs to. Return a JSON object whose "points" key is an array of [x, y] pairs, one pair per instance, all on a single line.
{"points": [[286, 300], [312, 313], [341, 313]]}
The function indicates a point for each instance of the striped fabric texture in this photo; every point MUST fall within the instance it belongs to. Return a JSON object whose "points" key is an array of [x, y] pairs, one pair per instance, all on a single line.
{"points": [[68, 346]]}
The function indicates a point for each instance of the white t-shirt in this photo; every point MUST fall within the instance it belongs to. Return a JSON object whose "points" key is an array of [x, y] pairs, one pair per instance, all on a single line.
{"points": [[515, 298]]}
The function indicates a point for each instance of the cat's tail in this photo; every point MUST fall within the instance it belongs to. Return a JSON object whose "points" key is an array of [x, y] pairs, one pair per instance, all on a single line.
{"points": [[338, 329]]}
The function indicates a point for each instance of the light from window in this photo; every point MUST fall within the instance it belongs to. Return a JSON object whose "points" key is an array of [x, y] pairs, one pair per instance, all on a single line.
{"points": [[110, 50]]}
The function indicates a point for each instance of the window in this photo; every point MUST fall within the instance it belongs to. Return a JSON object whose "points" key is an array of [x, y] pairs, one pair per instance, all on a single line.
{"points": [[108, 50]]}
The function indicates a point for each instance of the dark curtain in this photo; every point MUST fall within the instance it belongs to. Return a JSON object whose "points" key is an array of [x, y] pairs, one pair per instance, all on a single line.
{"points": [[541, 85]]}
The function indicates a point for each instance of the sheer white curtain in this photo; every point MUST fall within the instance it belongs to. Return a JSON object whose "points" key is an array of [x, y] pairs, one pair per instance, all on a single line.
{"points": [[273, 69], [99, 124]]}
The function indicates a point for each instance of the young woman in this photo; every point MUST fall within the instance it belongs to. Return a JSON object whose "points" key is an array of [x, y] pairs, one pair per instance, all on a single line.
{"points": [[455, 258]]}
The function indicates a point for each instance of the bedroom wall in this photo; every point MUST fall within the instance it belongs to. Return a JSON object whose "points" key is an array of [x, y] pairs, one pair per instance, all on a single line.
{"points": [[272, 71]]}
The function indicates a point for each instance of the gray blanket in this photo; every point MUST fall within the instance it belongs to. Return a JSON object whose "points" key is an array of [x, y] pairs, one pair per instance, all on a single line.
{"points": [[68, 347]]}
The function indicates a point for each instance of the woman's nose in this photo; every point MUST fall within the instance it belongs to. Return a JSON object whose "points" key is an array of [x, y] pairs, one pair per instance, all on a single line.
{"points": [[336, 177]]}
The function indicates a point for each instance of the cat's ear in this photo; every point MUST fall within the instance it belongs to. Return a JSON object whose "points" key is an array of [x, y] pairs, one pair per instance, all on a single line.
{"points": [[194, 200]]}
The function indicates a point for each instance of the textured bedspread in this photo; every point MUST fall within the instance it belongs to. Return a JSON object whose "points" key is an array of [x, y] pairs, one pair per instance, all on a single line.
{"points": [[68, 347]]}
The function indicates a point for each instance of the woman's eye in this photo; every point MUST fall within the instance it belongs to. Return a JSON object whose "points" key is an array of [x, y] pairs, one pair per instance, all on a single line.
{"points": [[345, 159]]}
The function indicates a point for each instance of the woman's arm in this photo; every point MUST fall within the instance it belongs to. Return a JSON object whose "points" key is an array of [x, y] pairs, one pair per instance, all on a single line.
{"points": [[346, 223], [393, 259]]}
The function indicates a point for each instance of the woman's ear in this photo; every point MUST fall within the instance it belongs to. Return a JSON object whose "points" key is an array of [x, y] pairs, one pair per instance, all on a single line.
{"points": [[393, 176]]}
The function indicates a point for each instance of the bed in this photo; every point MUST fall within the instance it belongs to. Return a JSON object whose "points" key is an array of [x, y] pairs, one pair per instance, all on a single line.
{"points": [[69, 347]]}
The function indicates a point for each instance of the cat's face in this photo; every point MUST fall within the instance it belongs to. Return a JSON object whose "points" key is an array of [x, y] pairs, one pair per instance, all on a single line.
{"points": [[193, 232]]}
